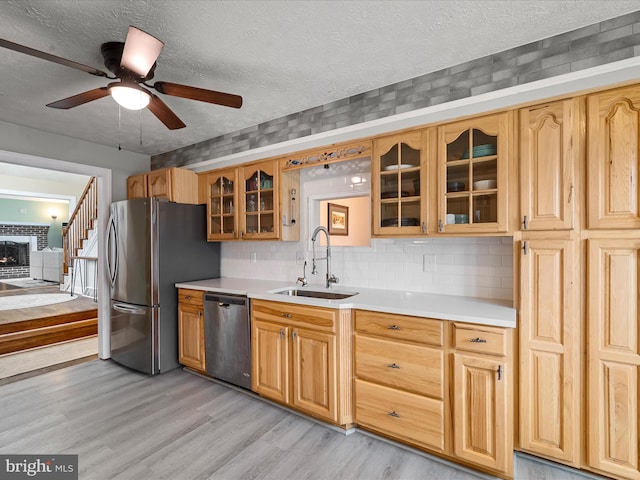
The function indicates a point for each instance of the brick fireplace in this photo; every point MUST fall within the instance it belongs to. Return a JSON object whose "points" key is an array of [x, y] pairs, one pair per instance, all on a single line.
{"points": [[34, 235]]}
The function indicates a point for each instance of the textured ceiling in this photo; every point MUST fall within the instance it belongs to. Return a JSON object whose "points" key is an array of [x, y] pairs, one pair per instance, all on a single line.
{"points": [[281, 56]]}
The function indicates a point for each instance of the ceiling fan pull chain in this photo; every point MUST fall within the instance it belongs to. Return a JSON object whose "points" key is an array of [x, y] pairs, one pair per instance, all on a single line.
{"points": [[119, 126], [140, 121]]}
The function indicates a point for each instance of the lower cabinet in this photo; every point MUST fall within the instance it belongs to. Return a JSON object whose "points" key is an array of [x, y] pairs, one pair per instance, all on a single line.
{"points": [[441, 386], [399, 386], [483, 387], [191, 329], [301, 357]]}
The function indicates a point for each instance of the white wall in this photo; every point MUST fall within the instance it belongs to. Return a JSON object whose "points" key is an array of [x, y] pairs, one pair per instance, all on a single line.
{"points": [[478, 267], [122, 163]]}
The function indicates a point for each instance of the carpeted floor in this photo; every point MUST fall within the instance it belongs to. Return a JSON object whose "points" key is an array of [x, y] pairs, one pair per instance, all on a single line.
{"points": [[18, 365]]}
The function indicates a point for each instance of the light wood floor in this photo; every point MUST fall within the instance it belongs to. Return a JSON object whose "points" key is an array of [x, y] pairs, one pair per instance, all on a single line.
{"points": [[179, 426]]}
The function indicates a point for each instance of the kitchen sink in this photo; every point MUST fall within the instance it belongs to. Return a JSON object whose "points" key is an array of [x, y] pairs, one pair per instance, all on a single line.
{"points": [[298, 292]]}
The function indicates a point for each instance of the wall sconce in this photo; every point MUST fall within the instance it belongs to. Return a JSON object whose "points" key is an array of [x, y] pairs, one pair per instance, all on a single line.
{"points": [[54, 214]]}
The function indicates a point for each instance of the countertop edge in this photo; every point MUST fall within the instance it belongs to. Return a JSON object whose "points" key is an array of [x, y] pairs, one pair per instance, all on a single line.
{"points": [[479, 311]]}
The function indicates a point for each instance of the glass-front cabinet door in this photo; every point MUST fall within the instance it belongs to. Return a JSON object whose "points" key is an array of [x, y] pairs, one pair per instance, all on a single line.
{"points": [[472, 174], [399, 184], [222, 202], [260, 201]]}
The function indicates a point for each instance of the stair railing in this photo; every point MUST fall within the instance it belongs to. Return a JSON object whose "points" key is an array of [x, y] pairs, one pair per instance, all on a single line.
{"points": [[81, 221]]}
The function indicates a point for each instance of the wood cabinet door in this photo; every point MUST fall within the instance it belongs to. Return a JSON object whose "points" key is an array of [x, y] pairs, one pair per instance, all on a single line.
{"points": [[549, 326], [550, 140], [222, 205], [159, 183], [481, 428], [137, 186], [613, 356], [260, 201], [399, 190], [270, 357], [613, 157], [473, 174], [191, 337], [314, 373]]}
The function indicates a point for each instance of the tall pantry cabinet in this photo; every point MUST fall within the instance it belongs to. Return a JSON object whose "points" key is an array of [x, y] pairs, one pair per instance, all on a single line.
{"points": [[551, 320], [613, 263]]}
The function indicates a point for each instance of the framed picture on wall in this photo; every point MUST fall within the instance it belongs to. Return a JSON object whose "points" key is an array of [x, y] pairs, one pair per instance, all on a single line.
{"points": [[338, 219]]}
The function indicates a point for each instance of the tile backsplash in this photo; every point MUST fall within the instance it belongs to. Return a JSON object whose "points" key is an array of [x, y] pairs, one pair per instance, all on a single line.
{"points": [[470, 266], [477, 267]]}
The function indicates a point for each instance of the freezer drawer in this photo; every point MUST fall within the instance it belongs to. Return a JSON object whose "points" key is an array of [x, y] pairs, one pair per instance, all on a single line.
{"points": [[134, 336]]}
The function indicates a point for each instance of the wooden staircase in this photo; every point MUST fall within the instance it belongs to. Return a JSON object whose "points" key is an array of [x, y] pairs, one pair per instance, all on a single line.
{"points": [[82, 220]]}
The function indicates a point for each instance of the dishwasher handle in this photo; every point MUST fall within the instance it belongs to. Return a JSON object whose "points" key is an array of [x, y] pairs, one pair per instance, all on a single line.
{"points": [[225, 300]]}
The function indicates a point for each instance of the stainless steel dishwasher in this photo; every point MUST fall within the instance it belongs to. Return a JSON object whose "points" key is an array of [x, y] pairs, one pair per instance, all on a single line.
{"points": [[227, 332]]}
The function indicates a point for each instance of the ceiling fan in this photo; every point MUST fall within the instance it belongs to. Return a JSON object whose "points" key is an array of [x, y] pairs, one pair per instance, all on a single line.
{"points": [[132, 63]]}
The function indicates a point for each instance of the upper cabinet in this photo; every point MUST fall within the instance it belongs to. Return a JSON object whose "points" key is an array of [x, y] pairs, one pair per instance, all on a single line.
{"points": [[259, 218], [222, 202], [613, 150], [551, 142], [251, 202], [473, 172], [175, 184], [399, 188]]}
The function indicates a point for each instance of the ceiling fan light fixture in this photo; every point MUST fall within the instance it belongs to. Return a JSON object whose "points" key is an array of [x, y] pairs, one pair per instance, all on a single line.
{"points": [[131, 98]]}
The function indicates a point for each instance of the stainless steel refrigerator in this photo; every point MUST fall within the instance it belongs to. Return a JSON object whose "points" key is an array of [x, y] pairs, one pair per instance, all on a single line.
{"points": [[151, 245]]}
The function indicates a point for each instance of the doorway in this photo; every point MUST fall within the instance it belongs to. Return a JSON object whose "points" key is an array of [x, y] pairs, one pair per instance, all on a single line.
{"points": [[103, 178]]}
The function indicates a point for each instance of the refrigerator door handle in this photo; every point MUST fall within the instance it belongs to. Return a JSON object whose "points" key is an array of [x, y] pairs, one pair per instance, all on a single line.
{"points": [[111, 227], [121, 307]]}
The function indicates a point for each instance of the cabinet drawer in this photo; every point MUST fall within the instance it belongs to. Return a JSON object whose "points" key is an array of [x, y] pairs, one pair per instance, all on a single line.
{"points": [[290, 314], [489, 340], [400, 327], [190, 297], [415, 368], [400, 414]]}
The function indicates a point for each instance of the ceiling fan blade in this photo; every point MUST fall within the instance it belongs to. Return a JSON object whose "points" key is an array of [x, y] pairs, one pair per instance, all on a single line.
{"points": [[201, 94], [52, 58], [80, 99], [141, 51], [164, 113]]}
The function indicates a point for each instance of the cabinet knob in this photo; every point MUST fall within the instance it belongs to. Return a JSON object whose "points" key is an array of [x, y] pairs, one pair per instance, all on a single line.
{"points": [[393, 327], [287, 315], [282, 332], [393, 365], [394, 414], [294, 334]]}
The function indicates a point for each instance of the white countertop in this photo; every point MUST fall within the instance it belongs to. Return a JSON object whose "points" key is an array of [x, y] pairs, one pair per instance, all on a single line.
{"points": [[480, 311]]}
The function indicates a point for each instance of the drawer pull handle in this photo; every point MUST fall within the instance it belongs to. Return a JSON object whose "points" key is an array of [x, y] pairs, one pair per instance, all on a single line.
{"points": [[394, 414], [393, 327], [478, 340], [287, 315], [393, 365]]}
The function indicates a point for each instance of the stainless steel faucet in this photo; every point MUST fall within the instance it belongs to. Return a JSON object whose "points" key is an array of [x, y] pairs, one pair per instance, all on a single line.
{"points": [[314, 269]]}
